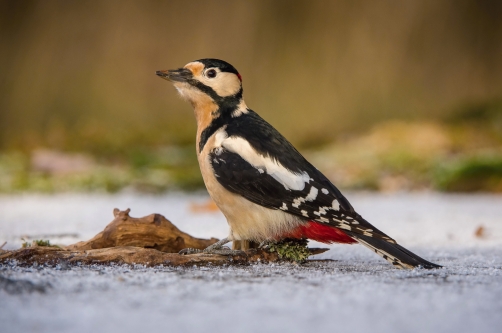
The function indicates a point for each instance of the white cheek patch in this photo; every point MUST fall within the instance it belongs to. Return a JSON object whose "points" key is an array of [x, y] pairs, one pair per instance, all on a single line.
{"points": [[289, 179], [224, 84]]}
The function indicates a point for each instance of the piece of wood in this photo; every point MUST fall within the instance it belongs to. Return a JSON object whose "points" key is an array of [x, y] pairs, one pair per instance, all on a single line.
{"points": [[53, 256], [151, 241], [153, 231]]}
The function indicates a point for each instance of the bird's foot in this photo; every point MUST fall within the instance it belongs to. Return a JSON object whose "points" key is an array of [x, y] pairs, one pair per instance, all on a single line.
{"points": [[216, 248], [189, 251], [225, 251]]}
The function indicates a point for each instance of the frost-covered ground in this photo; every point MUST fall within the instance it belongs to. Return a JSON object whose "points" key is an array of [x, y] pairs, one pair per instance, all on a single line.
{"points": [[355, 292]]}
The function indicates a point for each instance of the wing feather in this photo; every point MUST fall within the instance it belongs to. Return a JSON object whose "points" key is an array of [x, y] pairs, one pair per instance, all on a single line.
{"points": [[319, 200], [256, 162]]}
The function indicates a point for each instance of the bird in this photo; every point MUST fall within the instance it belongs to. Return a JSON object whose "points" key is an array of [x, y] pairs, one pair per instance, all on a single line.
{"points": [[262, 184]]}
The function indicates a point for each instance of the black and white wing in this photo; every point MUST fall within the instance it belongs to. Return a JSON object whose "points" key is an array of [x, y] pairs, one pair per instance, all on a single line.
{"points": [[263, 167], [309, 194]]}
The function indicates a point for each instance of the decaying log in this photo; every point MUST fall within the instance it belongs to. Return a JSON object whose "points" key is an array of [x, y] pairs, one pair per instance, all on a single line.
{"points": [[151, 241], [53, 256], [153, 231]]}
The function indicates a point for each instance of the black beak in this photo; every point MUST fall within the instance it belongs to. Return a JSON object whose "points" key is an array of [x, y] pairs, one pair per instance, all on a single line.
{"points": [[175, 75]]}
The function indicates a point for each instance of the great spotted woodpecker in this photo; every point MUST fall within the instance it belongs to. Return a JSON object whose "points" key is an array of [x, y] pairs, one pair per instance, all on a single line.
{"points": [[265, 188]]}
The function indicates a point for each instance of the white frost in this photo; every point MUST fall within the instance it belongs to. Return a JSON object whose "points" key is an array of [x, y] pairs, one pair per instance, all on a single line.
{"points": [[463, 297]]}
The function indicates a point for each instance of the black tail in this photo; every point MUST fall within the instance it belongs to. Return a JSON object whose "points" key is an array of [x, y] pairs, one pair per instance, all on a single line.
{"points": [[393, 253]]}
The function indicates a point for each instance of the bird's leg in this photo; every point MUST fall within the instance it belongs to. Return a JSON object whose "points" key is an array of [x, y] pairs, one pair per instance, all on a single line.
{"points": [[244, 245], [216, 248]]}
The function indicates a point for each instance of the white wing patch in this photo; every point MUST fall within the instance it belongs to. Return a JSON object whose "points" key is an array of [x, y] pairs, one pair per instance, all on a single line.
{"points": [[335, 205], [289, 179], [322, 211], [310, 197], [312, 194], [297, 202]]}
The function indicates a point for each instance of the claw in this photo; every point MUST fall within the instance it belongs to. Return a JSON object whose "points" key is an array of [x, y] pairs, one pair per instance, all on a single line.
{"points": [[226, 252], [189, 251], [216, 248]]}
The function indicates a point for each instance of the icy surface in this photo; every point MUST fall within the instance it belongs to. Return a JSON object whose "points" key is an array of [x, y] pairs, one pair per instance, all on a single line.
{"points": [[354, 292]]}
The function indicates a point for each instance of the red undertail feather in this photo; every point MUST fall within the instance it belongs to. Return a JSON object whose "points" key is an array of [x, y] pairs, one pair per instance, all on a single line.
{"points": [[321, 233]]}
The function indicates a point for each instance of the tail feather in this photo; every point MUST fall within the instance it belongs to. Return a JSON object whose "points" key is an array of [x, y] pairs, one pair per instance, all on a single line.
{"points": [[392, 252]]}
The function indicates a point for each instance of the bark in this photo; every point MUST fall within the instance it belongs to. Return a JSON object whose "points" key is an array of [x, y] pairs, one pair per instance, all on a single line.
{"points": [[151, 241], [153, 231], [52, 256]]}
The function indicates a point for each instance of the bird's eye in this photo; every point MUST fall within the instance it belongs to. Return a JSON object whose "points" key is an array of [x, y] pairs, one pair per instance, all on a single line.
{"points": [[211, 73]]}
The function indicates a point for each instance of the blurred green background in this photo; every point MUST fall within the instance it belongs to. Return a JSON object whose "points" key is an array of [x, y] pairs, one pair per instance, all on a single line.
{"points": [[382, 95]]}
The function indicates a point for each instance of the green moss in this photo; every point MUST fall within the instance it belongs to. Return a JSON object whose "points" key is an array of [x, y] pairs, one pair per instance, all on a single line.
{"points": [[38, 242], [291, 249]]}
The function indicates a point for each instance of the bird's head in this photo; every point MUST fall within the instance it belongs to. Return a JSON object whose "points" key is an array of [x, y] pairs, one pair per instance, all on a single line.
{"points": [[206, 81]]}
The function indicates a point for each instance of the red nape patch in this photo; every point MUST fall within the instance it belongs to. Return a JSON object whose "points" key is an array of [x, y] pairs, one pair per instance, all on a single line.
{"points": [[239, 76], [321, 233]]}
